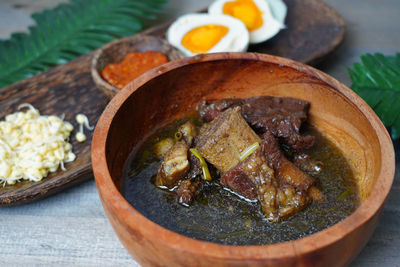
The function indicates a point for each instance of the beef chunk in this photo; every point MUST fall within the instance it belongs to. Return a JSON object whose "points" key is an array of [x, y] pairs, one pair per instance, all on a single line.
{"points": [[281, 188], [238, 181], [195, 167], [174, 166], [263, 177], [186, 191], [286, 172], [209, 110], [188, 188], [222, 140], [188, 131], [161, 148], [291, 200], [254, 179], [283, 116], [189, 185], [315, 194]]}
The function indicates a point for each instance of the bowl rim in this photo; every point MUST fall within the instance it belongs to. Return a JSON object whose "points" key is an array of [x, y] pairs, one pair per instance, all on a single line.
{"points": [[109, 193]]}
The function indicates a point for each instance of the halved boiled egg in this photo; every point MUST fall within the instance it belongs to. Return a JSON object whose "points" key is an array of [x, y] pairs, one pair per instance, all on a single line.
{"points": [[205, 33], [255, 14]]}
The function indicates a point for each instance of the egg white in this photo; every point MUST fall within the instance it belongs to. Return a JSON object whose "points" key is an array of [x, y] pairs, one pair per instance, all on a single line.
{"points": [[236, 40], [272, 23]]}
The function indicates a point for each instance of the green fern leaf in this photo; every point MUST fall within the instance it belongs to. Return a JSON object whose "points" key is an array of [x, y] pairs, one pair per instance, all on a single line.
{"points": [[70, 30], [377, 81]]}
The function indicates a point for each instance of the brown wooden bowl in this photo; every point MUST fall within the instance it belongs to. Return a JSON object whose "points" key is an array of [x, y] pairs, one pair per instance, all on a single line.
{"points": [[116, 51], [167, 92]]}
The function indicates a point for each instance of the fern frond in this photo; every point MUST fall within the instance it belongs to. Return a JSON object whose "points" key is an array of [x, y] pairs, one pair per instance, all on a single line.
{"points": [[69, 30], [377, 81]]}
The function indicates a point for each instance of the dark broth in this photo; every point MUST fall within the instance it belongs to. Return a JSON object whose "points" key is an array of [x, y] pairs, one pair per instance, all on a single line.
{"points": [[217, 215]]}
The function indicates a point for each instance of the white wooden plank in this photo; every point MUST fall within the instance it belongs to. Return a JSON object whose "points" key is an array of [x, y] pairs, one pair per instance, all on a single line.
{"points": [[60, 240]]}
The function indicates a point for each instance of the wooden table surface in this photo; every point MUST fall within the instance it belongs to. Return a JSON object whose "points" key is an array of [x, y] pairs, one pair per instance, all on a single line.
{"points": [[70, 228]]}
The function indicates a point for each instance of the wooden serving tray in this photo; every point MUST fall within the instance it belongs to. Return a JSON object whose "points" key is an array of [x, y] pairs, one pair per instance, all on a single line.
{"points": [[313, 30]]}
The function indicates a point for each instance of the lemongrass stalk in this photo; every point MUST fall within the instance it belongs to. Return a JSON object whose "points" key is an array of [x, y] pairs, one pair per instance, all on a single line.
{"points": [[203, 164], [248, 151]]}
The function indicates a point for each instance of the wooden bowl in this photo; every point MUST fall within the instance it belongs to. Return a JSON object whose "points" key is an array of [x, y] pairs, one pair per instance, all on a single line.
{"points": [[116, 51], [166, 93]]}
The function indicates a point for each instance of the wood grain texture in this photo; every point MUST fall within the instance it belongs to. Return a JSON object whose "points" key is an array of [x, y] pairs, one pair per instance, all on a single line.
{"points": [[68, 89], [369, 29], [313, 31], [336, 111], [383, 247], [67, 229], [116, 51]]}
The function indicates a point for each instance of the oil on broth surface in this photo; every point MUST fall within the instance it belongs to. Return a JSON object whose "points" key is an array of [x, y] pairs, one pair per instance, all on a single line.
{"points": [[218, 215]]}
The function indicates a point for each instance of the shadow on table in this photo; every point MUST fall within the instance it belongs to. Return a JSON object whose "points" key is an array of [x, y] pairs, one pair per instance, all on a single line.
{"points": [[383, 247]]}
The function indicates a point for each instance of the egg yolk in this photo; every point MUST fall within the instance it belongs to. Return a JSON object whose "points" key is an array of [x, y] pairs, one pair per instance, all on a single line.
{"points": [[203, 38], [245, 10]]}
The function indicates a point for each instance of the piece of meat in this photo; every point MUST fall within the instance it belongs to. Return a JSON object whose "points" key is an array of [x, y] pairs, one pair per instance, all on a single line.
{"points": [[253, 178], [161, 147], [305, 163], [186, 191], [188, 188], [209, 110], [222, 140], [195, 167], [286, 172], [238, 181], [290, 200], [188, 131], [263, 177], [316, 194], [174, 166], [283, 116]]}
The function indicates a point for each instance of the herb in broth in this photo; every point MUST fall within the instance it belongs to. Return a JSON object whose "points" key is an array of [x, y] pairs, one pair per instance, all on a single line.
{"points": [[219, 215]]}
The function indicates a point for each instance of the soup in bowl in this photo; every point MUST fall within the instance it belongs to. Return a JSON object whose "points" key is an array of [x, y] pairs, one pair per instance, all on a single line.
{"points": [[172, 93]]}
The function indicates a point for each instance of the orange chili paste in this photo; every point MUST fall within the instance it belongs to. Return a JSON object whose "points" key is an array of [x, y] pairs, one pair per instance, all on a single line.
{"points": [[132, 66]]}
